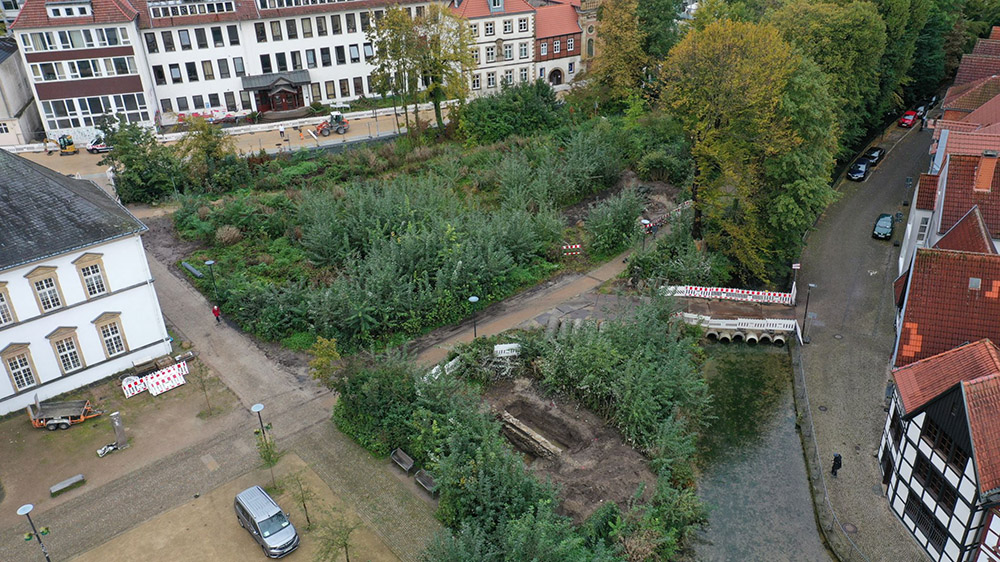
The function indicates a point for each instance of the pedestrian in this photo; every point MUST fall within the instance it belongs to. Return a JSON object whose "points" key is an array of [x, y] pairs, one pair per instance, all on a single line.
{"points": [[218, 313], [281, 131], [838, 462]]}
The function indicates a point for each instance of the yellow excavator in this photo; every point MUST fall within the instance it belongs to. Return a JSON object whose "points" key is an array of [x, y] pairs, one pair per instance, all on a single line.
{"points": [[65, 143]]}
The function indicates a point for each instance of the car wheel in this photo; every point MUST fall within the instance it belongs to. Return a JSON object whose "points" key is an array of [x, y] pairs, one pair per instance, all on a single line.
{"points": [[92, 151], [64, 425], [52, 426]]}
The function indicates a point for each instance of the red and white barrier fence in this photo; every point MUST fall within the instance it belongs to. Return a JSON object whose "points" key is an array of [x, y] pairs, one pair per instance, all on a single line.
{"points": [[726, 293], [572, 249], [156, 383]]}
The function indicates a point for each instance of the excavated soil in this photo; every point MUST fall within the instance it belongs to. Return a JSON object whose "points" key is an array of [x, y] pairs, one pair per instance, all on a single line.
{"points": [[595, 466]]}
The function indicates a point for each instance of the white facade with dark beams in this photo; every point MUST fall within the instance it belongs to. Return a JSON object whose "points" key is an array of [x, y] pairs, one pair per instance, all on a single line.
{"points": [[939, 456], [77, 302]]}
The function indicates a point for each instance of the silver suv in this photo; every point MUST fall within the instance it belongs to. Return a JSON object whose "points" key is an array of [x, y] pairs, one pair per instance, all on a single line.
{"points": [[266, 522]]}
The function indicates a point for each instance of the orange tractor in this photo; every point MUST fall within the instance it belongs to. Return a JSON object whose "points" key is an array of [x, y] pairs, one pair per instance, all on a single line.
{"points": [[336, 122]]}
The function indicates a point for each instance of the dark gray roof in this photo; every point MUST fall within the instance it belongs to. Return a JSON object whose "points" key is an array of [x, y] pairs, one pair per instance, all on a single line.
{"points": [[261, 81], [44, 213], [8, 47]]}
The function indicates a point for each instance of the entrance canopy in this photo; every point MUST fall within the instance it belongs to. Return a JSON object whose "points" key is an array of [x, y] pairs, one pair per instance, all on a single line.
{"points": [[276, 81]]}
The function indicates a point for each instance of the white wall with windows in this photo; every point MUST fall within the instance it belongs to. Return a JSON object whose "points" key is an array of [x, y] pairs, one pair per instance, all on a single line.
{"points": [[74, 319], [503, 49], [19, 122]]}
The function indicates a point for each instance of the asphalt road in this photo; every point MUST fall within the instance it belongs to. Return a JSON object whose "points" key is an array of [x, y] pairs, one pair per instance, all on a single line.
{"points": [[851, 332]]}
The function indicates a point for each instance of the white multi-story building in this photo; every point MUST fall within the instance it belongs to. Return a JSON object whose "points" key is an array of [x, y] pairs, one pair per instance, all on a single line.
{"points": [[503, 35], [76, 296], [558, 43], [19, 121], [9, 10]]}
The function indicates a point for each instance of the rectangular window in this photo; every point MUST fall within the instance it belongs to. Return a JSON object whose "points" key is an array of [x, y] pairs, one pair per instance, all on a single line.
{"points": [[168, 41], [369, 52], [245, 100], [491, 53], [206, 70], [111, 335], [261, 32], [491, 79], [201, 37], [167, 105], [355, 53], [543, 49], [6, 312], [321, 26], [557, 46], [926, 521], [217, 39], [159, 76], [238, 66], [523, 50], [934, 483], [234, 34], [341, 58], [476, 84], [366, 22], [508, 51], [522, 25], [335, 24], [475, 56], [265, 64], [324, 56], [944, 445], [93, 279], [184, 36], [197, 102], [175, 74], [307, 28], [572, 67], [420, 11], [474, 29], [230, 101], [223, 68], [508, 26], [151, 45], [19, 367], [351, 26], [213, 100], [69, 359], [192, 71], [345, 88], [331, 90], [182, 104], [48, 294], [281, 62], [570, 44], [311, 58], [293, 32], [317, 92], [488, 28], [896, 427], [296, 60], [524, 75], [276, 30], [508, 76], [359, 86]]}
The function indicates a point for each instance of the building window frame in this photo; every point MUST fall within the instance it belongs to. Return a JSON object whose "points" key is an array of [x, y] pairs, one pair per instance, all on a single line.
{"points": [[543, 48], [24, 368], [45, 285], [66, 347], [90, 267], [522, 25], [476, 82], [489, 29], [508, 26], [112, 334], [7, 313], [570, 44]]}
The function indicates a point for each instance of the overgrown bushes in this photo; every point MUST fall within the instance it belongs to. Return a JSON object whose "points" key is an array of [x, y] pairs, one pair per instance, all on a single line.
{"points": [[521, 109], [613, 224], [676, 260]]}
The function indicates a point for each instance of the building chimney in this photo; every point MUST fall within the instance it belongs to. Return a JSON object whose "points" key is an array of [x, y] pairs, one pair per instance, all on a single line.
{"points": [[984, 174]]}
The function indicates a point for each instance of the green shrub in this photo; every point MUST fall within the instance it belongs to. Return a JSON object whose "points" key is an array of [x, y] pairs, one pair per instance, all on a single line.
{"points": [[299, 341], [613, 224], [520, 109]]}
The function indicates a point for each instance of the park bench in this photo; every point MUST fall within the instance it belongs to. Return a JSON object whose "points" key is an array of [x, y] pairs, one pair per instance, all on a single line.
{"points": [[402, 459], [67, 484], [426, 481]]}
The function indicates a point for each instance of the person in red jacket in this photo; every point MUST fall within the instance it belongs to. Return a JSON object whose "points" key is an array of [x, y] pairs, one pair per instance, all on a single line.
{"points": [[217, 313]]}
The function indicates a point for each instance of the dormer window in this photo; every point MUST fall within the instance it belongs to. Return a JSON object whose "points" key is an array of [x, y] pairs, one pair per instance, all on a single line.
{"points": [[975, 283], [496, 5], [68, 9]]}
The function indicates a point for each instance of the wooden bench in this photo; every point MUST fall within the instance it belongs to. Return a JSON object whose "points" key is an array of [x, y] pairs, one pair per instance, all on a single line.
{"points": [[426, 481], [402, 459], [66, 485]]}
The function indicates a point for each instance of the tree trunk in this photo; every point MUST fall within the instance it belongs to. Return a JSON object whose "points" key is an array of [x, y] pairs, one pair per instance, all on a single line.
{"points": [[347, 554]]}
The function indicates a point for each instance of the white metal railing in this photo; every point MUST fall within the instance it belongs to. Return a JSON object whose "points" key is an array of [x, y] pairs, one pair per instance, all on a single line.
{"points": [[726, 293], [760, 324]]}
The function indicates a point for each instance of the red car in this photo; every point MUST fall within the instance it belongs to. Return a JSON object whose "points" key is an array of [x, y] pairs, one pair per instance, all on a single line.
{"points": [[908, 119]]}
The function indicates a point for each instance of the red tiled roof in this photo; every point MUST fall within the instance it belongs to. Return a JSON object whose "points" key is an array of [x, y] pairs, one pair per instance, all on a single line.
{"points": [[982, 407], [941, 311], [327, 8], [970, 143], [34, 15], [951, 125], [245, 10], [555, 20], [984, 91], [975, 67], [995, 32], [987, 47], [924, 380], [481, 8], [986, 114], [970, 182], [968, 235], [927, 192], [958, 89]]}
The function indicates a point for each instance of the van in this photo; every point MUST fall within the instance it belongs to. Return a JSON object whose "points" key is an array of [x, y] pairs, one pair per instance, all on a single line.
{"points": [[266, 522]]}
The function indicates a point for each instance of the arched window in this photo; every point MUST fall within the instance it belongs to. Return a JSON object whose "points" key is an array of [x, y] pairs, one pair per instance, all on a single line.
{"points": [[590, 47]]}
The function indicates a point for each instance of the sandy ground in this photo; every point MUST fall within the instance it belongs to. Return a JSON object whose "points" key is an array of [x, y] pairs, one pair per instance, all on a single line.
{"points": [[205, 528]]}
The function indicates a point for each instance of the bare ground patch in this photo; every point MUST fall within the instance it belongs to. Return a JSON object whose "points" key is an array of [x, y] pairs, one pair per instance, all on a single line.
{"points": [[594, 465]]}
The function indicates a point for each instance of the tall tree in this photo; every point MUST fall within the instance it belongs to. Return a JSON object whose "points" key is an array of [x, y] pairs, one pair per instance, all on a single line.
{"points": [[394, 40], [203, 148], [145, 170], [930, 62], [444, 55], [621, 62], [734, 87], [658, 21], [903, 21], [847, 41]]}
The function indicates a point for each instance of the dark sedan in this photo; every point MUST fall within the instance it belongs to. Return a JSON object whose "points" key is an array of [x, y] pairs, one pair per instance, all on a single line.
{"points": [[875, 155], [883, 227], [859, 170]]}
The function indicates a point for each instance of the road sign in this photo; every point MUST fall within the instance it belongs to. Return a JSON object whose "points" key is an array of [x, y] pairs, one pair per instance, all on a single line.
{"points": [[796, 266]]}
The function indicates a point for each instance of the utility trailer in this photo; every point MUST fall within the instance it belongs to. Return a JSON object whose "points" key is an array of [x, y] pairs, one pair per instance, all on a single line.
{"points": [[61, 415]]}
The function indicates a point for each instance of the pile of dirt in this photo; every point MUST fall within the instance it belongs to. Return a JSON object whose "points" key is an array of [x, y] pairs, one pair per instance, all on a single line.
{"points": [[660, 198], [163, 243], [595, 465]]}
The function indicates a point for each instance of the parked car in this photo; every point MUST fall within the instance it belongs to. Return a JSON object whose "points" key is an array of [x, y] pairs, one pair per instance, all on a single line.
{"points": [[97, 145], [859, 170], [266, 522], [908, 119], [883, 227], [875, 155], [921, 111]]}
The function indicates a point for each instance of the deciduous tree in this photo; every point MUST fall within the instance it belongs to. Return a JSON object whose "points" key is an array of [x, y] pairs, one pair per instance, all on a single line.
{"points": [[394, 40], [621, 61], [145, 170], [444, 55]]}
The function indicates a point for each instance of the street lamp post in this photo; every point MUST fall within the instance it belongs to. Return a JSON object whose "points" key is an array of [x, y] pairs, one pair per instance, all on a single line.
{"points": [[25, 510], [645, 230], [474, 299], [805, 319], [211, 273], [256, 408]]}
